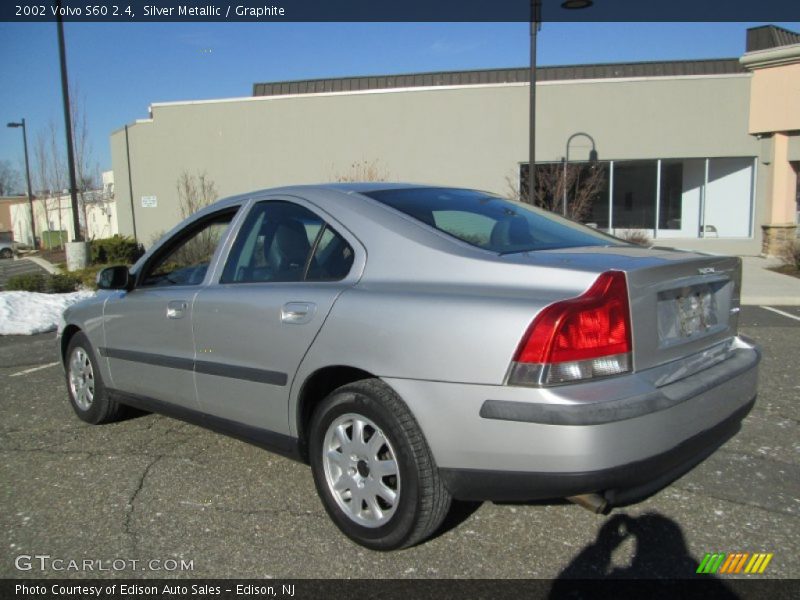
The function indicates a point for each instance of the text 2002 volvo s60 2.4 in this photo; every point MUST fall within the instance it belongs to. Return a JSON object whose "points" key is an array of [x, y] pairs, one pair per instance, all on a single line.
{"points": [[417, 344]]}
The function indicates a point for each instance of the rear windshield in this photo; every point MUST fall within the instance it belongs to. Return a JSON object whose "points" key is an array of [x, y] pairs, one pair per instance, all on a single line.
{"points": [[491, 222]]}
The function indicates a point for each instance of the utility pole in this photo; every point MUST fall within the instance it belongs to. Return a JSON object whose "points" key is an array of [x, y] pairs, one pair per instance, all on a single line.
{"points": [[73, 188]]}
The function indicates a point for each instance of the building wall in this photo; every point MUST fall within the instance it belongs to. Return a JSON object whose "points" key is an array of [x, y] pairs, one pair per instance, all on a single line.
{"points": [[775, 97], [468, 136], [55, 214], [775, 119], [6, 221]]}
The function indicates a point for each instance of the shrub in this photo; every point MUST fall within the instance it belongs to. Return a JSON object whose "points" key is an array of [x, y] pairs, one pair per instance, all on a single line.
{"points": [[790, 254], [62, 283], [88, 276], [28, 282], [635, 236], [118, 250], [364, 170], [39, 282]]}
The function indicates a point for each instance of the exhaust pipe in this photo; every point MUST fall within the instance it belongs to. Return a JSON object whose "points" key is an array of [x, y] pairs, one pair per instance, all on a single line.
{"points": [[592, 502]]}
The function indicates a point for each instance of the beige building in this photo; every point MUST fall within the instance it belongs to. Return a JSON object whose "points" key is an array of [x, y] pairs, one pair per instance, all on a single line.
{"points": [[6, 221], [696, 154]]}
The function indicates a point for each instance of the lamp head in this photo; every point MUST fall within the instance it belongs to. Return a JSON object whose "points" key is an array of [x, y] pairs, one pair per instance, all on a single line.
{"points": [[14, 125], [576, 4], [593, 155]]}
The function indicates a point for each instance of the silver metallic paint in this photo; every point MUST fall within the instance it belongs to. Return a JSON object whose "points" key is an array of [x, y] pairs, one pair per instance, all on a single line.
{"points": [[439, 321]]}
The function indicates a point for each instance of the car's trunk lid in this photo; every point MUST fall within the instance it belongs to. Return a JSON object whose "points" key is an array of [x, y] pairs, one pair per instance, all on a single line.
{"points": [[682, 303]]}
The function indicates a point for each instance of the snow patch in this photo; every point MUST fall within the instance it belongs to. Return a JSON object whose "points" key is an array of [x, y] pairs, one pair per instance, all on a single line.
{"points": [[27, 313]]}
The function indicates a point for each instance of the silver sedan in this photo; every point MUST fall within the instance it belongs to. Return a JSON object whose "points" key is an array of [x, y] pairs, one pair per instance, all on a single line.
{"points": [[418, 344]]}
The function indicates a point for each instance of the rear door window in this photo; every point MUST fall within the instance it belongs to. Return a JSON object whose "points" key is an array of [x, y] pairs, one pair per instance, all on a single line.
{"points": [[282, 241]]}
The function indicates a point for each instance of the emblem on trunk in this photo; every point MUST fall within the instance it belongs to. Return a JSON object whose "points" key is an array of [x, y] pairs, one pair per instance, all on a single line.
{"points": [[706, 270]]}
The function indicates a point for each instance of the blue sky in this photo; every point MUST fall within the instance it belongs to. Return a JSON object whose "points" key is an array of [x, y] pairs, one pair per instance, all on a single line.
{"points": [[119, 69]]}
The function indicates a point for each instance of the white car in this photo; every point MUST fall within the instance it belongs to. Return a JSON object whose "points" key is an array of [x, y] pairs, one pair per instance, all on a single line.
{"points": [[7, 249]]}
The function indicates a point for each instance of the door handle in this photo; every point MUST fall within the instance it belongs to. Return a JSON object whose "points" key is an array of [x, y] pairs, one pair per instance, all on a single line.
{"points": [[176, 308], [297, 313]]}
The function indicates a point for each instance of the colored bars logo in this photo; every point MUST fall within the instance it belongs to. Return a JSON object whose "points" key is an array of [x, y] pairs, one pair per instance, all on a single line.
{"points": [[735, 562]]}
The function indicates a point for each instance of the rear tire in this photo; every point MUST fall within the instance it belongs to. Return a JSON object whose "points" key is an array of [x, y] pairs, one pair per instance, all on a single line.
{"points": [[87, 393], [373, 469], [6, 253]]}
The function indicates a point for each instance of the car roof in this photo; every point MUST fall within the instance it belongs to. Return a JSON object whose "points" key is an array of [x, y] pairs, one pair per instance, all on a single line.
{"points": [[363, 187]]}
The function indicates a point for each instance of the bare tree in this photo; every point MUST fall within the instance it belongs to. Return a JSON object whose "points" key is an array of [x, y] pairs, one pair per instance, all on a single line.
{"points": [[584, 183], [50, 172], [42, 175], [364, 170], [195, 192], [41, 165], [9, 179], [84, 170]]}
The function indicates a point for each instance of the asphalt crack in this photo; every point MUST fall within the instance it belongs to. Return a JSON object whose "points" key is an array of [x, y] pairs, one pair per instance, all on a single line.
{"points": [[130, 507]]}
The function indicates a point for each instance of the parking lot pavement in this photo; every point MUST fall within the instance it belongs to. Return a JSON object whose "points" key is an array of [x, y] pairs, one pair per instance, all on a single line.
{"points": [[10, 267], [152, 488]]}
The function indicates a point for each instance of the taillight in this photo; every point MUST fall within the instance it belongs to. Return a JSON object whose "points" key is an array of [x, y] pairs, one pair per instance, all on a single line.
{"points": [[581, 338]]}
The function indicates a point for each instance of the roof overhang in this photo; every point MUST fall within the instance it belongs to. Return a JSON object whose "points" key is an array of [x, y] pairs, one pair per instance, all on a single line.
{"points": [[772, 57]]}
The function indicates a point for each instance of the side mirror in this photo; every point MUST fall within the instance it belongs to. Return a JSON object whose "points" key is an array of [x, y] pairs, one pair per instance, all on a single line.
{"points": [[114, 278]]}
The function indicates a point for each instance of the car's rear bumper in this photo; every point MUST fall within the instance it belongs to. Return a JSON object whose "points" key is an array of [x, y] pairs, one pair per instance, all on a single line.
{"points": [[625, 436], [619, 485]]}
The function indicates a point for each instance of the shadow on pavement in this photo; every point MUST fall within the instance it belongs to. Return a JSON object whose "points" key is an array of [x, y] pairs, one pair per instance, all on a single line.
{"points": [[660, 553], [460, 511]]}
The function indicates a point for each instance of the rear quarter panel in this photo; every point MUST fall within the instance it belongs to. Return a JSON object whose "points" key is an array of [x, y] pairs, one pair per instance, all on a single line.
{"points": [[464, 336]]}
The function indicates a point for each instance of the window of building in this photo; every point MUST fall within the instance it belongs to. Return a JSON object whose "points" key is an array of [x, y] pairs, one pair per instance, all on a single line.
{"points": [[727, 203], [668, 198], [634, 194], [680, 197]]}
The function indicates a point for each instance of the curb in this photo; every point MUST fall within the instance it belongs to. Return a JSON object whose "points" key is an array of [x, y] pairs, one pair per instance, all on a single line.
{"points": [[770, 301], [46, 265]]}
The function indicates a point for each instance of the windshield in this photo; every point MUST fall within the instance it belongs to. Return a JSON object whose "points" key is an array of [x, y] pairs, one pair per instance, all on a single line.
{"points": [[491, 222]]}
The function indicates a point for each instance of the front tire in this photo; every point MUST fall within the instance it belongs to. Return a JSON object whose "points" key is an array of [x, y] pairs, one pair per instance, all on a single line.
{"points": [[87, 393], [373, 469], [6, 253]]}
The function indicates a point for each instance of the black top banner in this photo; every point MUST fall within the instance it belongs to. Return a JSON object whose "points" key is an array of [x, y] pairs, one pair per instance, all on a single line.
{"points": [[126, 11]]}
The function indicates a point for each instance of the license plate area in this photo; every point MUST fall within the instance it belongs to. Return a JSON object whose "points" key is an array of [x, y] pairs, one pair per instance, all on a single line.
{"points": [[692, 312]]}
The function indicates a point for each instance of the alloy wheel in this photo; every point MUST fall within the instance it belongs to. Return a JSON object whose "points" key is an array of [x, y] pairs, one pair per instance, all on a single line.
{"points": [[81, 378], [361, 470]]}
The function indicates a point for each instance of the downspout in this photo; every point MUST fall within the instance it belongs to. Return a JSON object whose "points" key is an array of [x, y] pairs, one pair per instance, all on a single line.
{"points": [[130, 184]]}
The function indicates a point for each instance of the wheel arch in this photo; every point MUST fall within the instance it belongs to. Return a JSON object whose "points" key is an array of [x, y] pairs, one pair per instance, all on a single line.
{"points": [[315, 389], [66, 336]]}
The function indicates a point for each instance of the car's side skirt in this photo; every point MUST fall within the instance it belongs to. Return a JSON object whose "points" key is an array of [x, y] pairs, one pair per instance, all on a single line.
{"points": [[199, 366], [278, 443]]}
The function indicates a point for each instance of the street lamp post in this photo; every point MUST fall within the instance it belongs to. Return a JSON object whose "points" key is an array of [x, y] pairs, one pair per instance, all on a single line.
{"points": [[536, 22], [592, 158], [27, 177], [536, 16]]}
